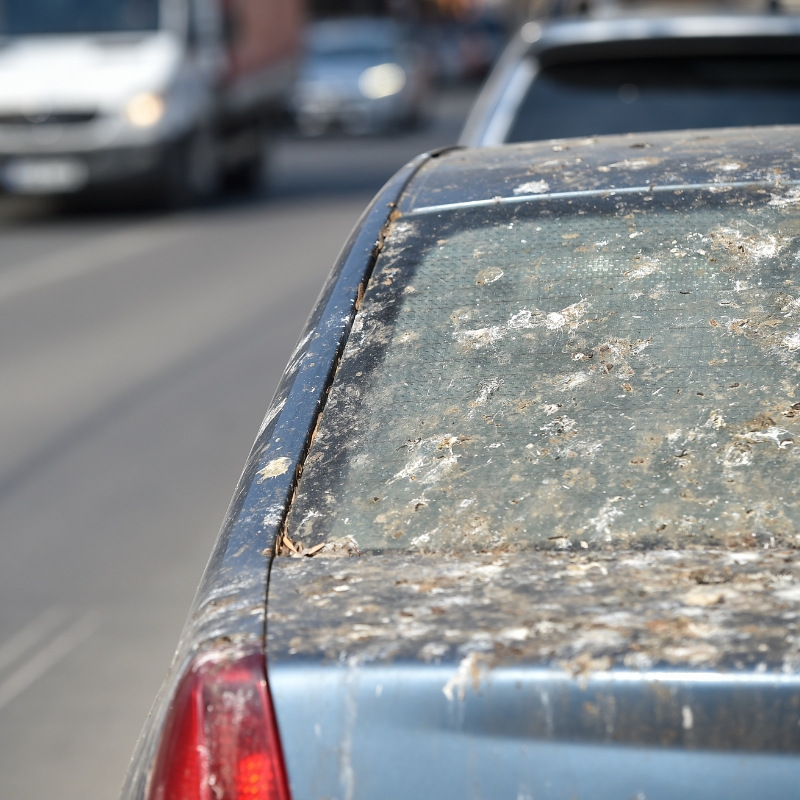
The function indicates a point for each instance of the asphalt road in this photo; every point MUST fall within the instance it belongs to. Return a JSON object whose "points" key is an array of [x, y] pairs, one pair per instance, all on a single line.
{"points": [[139, 354]]}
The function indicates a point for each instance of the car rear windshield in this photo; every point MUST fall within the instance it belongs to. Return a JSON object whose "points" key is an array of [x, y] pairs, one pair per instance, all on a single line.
{"points": [[587, 373], [655, 94], [32, 17], [359, 39]]}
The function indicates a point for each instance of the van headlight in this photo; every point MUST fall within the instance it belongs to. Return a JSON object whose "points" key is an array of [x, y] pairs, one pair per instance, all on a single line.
{"points": [[382, 81], [145, 110]]}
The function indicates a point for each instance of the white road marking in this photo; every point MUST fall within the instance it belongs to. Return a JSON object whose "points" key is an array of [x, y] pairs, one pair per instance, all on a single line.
{"points": [[100, 252], [48, 657], [22, 641]]}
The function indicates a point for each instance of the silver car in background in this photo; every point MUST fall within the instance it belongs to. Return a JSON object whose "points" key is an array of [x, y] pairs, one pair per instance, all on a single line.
{"points": [[613, 73], [361, 75]]}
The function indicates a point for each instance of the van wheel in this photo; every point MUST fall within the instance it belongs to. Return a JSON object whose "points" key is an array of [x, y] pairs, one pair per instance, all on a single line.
{"points": [[247, 176], [191, 171]]}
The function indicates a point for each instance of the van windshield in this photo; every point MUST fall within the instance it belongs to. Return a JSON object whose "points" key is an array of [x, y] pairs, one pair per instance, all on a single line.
{"points": [[592, 373], [32, 17]]}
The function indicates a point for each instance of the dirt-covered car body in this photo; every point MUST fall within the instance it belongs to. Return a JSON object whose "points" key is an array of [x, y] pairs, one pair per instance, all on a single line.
{"points": [[522, 518]]}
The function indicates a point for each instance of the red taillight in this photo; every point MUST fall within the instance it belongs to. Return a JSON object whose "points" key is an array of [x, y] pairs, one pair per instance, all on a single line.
{"points": [[220, 740]]}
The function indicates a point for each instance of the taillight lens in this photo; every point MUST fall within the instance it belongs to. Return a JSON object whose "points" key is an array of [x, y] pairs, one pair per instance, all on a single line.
{"points": [[220, 740]]}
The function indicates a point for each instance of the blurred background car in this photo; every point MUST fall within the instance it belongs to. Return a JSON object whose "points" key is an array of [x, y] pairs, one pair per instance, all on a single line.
{"points": [[362, 75], [465, 49], [169, 93], [613, 69]]}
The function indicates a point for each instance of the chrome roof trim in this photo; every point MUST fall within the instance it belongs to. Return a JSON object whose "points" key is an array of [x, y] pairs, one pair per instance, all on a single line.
{"points": [[609, 192]]}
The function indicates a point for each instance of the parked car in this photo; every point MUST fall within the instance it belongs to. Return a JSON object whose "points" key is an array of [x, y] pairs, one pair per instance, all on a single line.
{"points": [[172, 94], [522, 518], [587, 76], [361, 75]]}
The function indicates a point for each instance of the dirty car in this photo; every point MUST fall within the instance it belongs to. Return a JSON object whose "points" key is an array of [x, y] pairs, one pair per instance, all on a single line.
{"points": [[522, 519]]}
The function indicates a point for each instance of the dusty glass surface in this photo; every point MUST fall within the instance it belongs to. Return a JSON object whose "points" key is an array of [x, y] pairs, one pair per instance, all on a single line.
{"points": [[598, 374]]}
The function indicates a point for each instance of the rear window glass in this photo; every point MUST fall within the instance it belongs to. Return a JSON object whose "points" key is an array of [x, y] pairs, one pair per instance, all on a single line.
{"points": [[590, 374], [635, 95]]}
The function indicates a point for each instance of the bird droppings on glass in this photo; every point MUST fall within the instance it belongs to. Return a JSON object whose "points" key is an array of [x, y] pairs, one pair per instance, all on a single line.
{"points": [[607, 374]]}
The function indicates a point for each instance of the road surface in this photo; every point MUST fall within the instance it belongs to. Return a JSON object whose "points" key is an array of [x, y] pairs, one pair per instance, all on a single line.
{"points": [[139, 354]]}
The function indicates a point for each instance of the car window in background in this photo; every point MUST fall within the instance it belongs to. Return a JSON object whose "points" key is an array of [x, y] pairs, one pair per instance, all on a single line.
{"points": [[579, 372], [650, 94], [347, 52], [32, 17], [352, 38]]}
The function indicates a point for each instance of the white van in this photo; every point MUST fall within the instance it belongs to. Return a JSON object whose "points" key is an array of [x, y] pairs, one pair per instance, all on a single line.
{"points": [[169, 94]]}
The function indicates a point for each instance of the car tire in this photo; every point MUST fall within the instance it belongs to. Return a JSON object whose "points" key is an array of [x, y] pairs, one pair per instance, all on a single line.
{"points": [[190, 172], [311, 125], [247, 177]]}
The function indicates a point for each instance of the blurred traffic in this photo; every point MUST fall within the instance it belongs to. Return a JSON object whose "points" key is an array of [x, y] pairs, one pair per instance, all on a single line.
{"points": [[175, 101], [171, 101], [170, 96]]}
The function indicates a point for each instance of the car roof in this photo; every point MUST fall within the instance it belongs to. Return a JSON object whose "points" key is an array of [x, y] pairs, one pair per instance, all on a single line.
{"points": [[631, 162], [354, 32], [557, 33], [555, 9]]}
